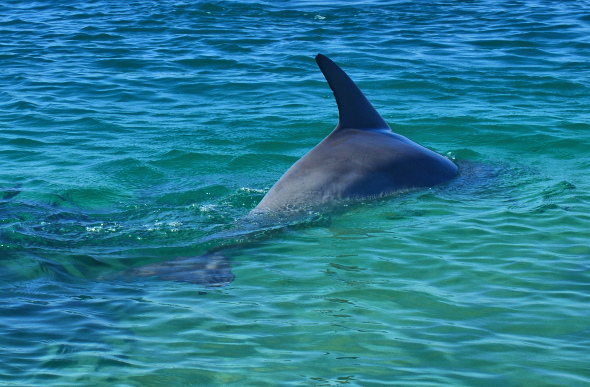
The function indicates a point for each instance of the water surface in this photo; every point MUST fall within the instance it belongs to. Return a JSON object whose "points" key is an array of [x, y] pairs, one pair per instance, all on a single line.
{"points": [[130, 132]]}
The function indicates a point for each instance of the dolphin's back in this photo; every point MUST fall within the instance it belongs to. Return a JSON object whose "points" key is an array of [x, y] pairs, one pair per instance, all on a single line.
{"points": [[352, 164]]}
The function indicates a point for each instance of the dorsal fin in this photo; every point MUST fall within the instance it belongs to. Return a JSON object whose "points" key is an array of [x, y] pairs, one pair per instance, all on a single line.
{"points": [[354, 109]]}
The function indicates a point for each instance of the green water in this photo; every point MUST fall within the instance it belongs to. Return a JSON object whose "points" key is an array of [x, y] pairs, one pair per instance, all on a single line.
{"points": [[130, 133]]}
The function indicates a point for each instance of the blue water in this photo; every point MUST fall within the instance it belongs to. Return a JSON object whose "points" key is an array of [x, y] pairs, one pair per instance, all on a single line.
{"points": [[133, 132]]}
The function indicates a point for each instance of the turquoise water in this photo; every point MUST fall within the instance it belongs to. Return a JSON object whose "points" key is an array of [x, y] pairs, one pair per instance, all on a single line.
{"points": [[132, 132]]}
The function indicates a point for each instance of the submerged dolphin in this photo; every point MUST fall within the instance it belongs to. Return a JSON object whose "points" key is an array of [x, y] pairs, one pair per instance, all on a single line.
{"points": [[362, 158]]}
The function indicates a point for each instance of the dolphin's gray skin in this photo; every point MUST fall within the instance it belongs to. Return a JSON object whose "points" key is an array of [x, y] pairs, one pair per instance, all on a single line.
{"points": [[362, 158]]}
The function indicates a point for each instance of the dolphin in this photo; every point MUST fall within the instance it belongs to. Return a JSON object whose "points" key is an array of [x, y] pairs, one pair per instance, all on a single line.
{"points": [[362, 158]]}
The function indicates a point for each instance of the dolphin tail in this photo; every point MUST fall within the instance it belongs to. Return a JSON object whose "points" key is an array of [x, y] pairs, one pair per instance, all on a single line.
{"points": [[211, 269], [355, 110]]}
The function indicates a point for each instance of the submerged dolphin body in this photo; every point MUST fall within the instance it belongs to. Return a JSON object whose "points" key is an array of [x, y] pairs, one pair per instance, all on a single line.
{"points": [[362, 158]]}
